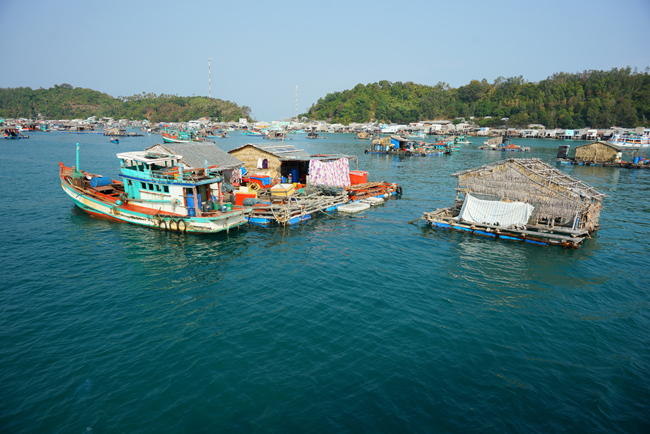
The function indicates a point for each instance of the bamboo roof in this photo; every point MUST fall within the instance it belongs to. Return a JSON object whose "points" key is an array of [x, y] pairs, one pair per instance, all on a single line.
{"points": [[535, 169]]}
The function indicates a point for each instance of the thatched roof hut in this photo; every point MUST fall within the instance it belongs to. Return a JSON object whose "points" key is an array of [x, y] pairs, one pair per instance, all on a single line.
{"points": [[558, 199], [597, 152], [116, 131]]}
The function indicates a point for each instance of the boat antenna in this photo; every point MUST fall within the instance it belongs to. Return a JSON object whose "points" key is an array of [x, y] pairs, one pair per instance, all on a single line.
{"points": [[77, 157]]}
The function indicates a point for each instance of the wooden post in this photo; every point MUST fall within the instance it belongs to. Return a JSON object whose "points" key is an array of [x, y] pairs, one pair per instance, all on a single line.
{"points": [[197, 207]]}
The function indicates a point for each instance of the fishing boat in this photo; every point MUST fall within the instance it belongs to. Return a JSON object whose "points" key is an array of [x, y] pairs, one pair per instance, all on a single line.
{"points": [[631, 140], [115, 141], [254, 132], [313, 135], [177, 137], [461, 140], [157, 192], [364, 135], [13, 134]]}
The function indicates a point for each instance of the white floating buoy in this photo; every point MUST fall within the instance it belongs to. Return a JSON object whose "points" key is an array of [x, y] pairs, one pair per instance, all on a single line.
{"points": [[353, 207], [373, 200]]}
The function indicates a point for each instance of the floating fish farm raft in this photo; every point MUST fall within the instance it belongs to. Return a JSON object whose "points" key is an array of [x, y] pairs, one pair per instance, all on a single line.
{"points": [[523, 200]]}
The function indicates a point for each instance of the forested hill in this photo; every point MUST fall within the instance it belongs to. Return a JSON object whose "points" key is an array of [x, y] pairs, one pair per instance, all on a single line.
{"points": [[67, 102], [597, 99]]}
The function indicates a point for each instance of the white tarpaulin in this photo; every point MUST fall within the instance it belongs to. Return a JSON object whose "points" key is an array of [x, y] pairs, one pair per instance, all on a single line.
{"points": [[494, 212]]}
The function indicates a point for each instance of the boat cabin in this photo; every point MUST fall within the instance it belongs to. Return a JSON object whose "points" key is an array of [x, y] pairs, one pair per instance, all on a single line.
{"points": [[161, 181]]}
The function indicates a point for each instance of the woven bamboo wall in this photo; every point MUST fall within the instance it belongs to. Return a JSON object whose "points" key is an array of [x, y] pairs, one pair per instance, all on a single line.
{"points": [[596, 152], [250, 155]]}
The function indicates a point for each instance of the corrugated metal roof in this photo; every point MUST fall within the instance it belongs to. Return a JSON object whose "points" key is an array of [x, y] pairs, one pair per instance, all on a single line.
{"points": [[282, 151], [195, 155]]}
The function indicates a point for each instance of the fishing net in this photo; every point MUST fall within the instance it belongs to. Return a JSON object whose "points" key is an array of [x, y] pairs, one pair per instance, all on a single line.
{"points": [[323, 190]]}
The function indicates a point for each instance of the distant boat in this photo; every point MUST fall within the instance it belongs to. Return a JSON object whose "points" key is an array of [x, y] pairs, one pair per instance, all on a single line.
{"points": [[313, 135], [181, 137], [630, 139], [158, 193], [364, 135], [461, 140], [13, 134], [254, 132], [115, 141]]}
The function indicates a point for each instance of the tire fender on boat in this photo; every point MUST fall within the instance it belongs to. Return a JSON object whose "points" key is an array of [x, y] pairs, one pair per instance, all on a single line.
{"points": [[184, 226], [173, 225], [398, 190], [162, 225]]}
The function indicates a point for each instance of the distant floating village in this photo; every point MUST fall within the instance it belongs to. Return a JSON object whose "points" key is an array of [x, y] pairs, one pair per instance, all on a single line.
{"points": [[420, 129]]}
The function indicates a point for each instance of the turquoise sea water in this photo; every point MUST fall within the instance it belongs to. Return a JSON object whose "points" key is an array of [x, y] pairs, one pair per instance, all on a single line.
{"points": [[359, 323]]}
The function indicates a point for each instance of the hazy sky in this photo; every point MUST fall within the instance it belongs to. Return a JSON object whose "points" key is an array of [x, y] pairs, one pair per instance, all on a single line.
{"points": [[261, 50]]}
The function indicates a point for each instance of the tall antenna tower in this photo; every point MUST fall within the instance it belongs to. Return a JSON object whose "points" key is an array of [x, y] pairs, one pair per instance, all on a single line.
{"points": [[209, 80], [296, 103]]}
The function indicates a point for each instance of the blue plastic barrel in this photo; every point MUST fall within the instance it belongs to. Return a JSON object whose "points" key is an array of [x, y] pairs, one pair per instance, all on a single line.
{"points": [[294, 175], [190, 200], [100, 181], [636, 160]]}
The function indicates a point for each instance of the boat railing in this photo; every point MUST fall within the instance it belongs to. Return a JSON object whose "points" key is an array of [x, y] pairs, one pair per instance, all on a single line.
{"points": [[192, 175]]}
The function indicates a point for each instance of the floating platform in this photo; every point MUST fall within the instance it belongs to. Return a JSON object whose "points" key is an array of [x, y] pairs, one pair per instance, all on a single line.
{"points": [[447, 218], [504, 148], [293, 210], [623, 164], [122, 134], [409, 154]]}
